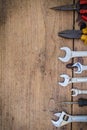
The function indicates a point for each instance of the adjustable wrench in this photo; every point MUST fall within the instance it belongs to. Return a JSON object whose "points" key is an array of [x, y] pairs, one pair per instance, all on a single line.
{"points": [[80, 67], [65, 118], [78, 92], [68, 80], [71, 54]]}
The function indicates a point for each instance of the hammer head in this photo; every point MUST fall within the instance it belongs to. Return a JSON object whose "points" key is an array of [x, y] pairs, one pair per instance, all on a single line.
{"points": [[66, 80], [68, 55]]}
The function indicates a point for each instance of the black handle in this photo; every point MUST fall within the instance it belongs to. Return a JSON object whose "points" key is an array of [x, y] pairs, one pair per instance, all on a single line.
{"points": [[82, 102]]}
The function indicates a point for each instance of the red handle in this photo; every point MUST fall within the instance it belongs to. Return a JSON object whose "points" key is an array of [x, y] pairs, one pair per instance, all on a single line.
{"points": [[82, 11], [83, 2], [84, 18]]}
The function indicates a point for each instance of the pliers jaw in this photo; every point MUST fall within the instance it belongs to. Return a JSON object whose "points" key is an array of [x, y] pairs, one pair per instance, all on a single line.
{"points": [[65, 8], [71, 34], [80, 7]]}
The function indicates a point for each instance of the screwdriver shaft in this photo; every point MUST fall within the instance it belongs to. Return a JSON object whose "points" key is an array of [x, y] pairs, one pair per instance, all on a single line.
{"points": [[81, 102], [69, 103]]}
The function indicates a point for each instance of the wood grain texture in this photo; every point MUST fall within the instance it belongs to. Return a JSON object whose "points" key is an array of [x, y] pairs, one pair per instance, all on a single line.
{"points": [[80, 46], [29, 65]]}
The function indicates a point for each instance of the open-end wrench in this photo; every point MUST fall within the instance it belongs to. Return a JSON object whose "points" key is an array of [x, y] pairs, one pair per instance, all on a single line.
{"points": [[71, 54], [79, 67], [65, 118], [76, 92], [68, 80]]}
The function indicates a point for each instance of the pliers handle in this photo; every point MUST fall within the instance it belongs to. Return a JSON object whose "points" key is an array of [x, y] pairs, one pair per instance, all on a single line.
{"points": [[84, 17], [83, 2], [84, 35], [83, 12], [84, 31]]}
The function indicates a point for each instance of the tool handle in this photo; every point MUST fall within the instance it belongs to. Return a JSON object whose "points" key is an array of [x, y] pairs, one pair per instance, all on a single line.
{"points": [[79, 54], [82, 102], [84, 17], [82, 91], [78, 80], [79, 118], [83, 11], [84, 67], [83, 2]]}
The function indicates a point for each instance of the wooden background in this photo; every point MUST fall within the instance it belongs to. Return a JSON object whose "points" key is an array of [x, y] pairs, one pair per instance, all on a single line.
{"points": [[29, 65]]}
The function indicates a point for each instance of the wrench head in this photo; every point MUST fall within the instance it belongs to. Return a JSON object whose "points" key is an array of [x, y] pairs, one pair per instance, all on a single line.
{"points": [[63, 119], [75, 92], [68, 55], [66, 80], [79, 68]]}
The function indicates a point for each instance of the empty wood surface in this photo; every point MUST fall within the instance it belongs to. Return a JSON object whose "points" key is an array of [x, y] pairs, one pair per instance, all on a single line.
{"points": [[29, 65]]}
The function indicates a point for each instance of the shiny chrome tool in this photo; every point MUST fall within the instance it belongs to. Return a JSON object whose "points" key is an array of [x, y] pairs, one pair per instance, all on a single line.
{"points": [[65, 119], [76, 92], [71, 54], [79, 67], [68, 80]]}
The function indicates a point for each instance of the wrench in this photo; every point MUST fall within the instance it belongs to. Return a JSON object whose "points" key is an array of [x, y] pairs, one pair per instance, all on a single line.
{"points": [[68, 80], [80, 68], [78, 91], [65, 118], [71, 54]]}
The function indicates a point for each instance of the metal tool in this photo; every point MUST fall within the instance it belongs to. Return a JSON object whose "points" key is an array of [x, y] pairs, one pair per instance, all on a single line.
{"points": [[71, 54], [65, 119], [80, 68], [77, 34], [70, 34], [81, 102], [68, 80], [80, 7], [73, 33], [76, 92]]}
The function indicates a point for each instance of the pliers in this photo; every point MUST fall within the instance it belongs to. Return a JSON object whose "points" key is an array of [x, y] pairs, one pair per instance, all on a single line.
{"points": [[71, 34], [80, 7]]}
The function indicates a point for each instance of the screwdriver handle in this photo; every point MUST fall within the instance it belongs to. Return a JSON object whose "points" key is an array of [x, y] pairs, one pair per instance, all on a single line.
{"points": [[82, 102]]}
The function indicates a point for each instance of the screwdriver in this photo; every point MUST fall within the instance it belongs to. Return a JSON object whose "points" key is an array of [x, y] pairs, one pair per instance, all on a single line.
{"points": [[81, 102]]}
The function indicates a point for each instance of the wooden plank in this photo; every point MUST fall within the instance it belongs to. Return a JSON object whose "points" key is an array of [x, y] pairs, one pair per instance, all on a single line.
{"points": [[1, 46], [29, 66], [52, 65], [62, 22], [79, 45]]}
